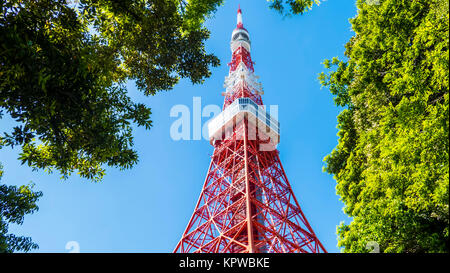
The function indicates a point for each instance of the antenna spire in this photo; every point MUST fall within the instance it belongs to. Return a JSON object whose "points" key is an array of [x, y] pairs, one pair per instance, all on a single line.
{"points": [[239, 17]]}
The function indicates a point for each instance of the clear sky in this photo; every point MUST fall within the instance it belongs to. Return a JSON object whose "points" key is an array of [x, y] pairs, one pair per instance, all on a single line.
{"points": [[146, 208]]}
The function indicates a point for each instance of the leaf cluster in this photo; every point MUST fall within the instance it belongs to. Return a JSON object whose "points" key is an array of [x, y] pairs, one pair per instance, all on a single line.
{"points": [[292, 7], [391, 163], [63, 69], [15, 202]]}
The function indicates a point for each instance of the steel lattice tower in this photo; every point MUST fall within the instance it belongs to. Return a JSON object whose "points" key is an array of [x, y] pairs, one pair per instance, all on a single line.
{"points": [[246, 204]]}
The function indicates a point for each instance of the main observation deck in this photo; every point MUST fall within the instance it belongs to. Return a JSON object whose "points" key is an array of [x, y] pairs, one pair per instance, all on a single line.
{"points": [[256, 116]]}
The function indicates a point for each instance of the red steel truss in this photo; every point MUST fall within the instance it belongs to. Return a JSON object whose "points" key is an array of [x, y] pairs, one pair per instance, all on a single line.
{"points": [[241, 55], [247, 204]]}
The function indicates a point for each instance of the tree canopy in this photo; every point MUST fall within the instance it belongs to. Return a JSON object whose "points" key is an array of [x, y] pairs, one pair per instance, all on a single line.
{"points": [[292, 7], [64, 66], [15, 202], [391, 163]]}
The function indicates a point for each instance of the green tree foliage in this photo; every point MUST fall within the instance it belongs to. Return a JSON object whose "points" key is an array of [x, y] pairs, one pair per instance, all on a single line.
{"points": [[63, 68], [15, 202], [391, 163], [292, 7]]}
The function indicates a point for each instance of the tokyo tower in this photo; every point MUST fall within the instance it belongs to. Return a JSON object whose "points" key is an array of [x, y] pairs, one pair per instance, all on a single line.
{"points": [[246, 204]]}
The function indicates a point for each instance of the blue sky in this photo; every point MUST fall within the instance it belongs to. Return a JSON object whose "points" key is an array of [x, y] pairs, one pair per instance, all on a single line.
{"points": [[146, 208]]}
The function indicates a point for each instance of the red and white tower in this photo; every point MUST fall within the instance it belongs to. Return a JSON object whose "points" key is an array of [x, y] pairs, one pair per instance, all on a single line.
{"points": [[246, 204]]}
